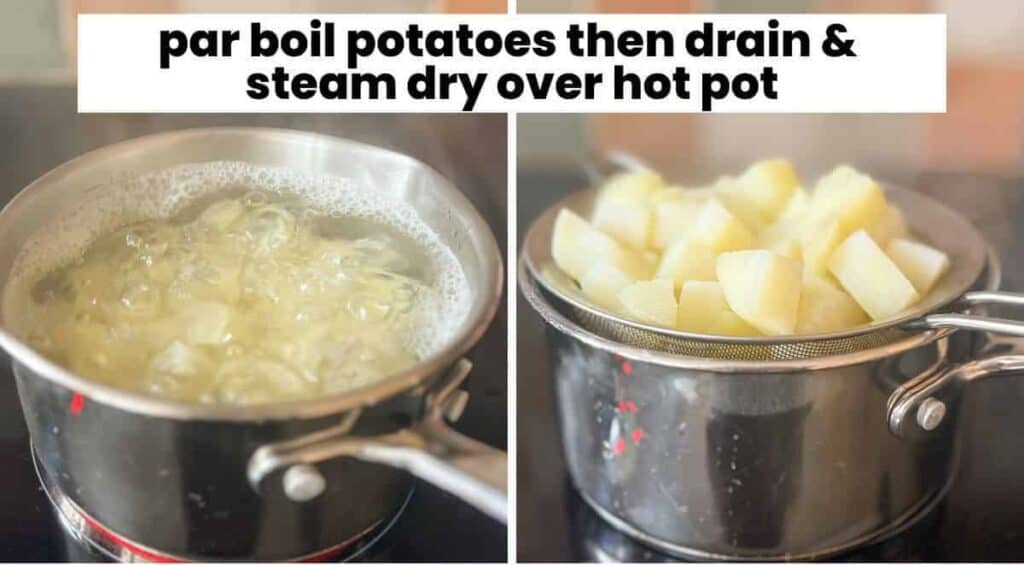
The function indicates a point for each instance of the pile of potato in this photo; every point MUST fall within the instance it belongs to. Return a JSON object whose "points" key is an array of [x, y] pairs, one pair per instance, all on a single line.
{"points": [[750, 255]]}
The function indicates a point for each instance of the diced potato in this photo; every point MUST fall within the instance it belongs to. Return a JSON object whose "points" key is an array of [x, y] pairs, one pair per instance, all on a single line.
{"points": [[871, 277], [222, 214], [817, 243], [730, 323], [851, 197], [687, 260], [576, 246], [650, 301], [701, 303], [673, 219], [825, 307], [603, 282], [204, 323], [676, 193], [795, 210], [762, 287], [629, 223], [781, 238], [631, 186], [720, 230], [920, 263], [623, 210], [890, 226], [729, 191], [768, 185]]}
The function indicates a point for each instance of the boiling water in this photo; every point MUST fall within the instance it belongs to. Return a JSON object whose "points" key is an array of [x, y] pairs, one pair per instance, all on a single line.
{"points": [[246, 295]]}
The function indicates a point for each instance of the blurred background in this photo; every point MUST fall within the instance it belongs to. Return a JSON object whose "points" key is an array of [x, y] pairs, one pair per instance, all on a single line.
{"points": [[983, 130]]}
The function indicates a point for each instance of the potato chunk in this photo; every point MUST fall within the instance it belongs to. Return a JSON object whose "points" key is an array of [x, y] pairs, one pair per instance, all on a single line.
{"points": [[795, 211], [768, 185], [603, 282], [729, 323], [920, 263], [623, 210], [762, 287], [673, 220], [730, 192], [687, 260], [650, 301], [702, 308], [890, 226], [825, 307], [700, 305], [871, 277], [849, 196], [817, 243], [720, 230], [576, 246]]}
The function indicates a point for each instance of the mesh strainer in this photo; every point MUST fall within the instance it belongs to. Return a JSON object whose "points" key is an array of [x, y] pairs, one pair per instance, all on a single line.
{"points": [[943, 310]]}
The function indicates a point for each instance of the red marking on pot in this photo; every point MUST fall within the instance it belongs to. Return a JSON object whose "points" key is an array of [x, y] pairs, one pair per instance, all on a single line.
{"points": [[77, 403], [119, 541], [154, 556], [627, 368], [620, 446], [638, 434]]}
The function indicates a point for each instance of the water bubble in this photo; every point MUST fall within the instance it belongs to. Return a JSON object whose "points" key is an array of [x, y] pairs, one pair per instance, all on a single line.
{"points": [[368, 308], [270, 228], [140, 298], [254, 199]]}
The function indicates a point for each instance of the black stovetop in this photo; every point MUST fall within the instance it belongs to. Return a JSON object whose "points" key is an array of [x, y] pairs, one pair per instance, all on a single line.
{"points": [[982, 517], [40, 129]]}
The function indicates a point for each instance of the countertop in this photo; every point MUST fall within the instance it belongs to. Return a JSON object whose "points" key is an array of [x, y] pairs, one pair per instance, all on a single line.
{"points": [[40, 129], [981, 519]]}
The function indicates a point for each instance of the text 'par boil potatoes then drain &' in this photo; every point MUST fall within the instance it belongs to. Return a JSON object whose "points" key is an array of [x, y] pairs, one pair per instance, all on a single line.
{"points": [[248, 296], [756, 254]]}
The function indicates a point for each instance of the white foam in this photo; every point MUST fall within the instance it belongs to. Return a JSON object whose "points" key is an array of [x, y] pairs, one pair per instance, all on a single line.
{"points": [[164, 193]]}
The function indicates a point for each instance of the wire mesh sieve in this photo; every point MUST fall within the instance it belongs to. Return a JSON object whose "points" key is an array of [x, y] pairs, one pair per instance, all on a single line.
{"points": [[927, 219]]}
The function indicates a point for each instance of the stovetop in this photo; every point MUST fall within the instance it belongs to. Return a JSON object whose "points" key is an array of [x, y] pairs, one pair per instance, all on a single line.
{"points": [[982, 517], [40, 129]]}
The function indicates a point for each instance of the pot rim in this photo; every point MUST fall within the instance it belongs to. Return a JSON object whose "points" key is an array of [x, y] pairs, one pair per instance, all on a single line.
{"points": [[473, 327], [552, 317]]}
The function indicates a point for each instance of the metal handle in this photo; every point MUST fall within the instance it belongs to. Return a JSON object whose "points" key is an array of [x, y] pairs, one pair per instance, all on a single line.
{"points": [[1000, 326], [620, 160], [430, 450], [917, 400]]}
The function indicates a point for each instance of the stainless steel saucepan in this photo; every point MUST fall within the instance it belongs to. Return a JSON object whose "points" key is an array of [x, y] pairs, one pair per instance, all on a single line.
{"points": [[265, 482], [771, 448]]}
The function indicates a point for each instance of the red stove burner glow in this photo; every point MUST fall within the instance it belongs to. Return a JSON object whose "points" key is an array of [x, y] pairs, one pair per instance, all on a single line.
{"points": [[87, 531]]}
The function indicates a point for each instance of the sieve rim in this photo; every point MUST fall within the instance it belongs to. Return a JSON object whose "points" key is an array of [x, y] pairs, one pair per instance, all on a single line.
{"points": [[530, 288], [557, 285]]}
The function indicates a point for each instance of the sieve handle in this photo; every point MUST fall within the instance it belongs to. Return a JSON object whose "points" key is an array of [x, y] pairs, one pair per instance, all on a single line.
{"points": [[992, 297], [1000, 326], [618, 159], [429, 450]]}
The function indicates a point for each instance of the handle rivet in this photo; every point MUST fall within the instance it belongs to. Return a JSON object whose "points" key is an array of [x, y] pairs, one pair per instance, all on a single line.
{"points": [[930, 413], [303, 482]]}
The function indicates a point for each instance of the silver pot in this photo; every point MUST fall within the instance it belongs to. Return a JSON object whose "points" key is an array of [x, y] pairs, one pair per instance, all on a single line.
{"points": [[711, 458], [268, 482]]}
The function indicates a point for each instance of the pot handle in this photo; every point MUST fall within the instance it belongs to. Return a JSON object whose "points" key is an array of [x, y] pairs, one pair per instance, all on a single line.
{"points": [[977, 323], [430, 450], [916, 405]]}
